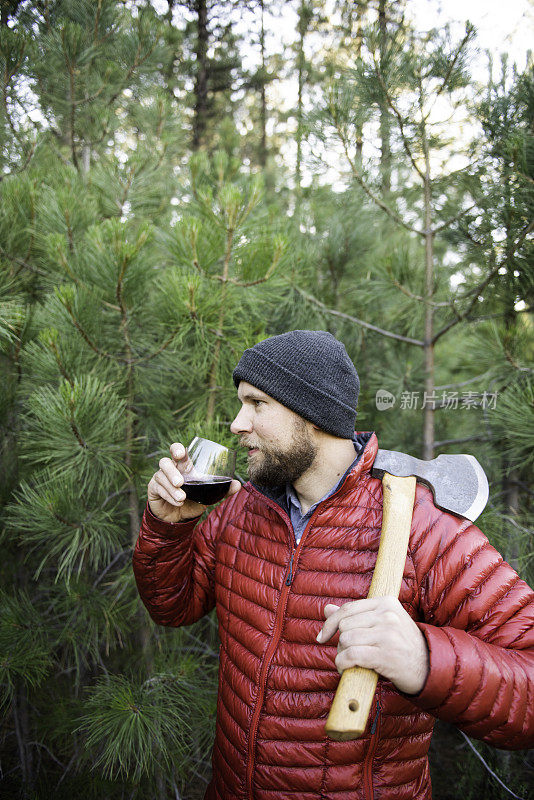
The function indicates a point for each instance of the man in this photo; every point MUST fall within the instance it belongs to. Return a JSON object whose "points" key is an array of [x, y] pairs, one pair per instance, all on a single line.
{"points": [[298, 544]]}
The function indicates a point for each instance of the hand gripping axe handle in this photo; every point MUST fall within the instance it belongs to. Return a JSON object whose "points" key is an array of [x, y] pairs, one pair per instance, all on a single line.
{"points": [[460, 486]]}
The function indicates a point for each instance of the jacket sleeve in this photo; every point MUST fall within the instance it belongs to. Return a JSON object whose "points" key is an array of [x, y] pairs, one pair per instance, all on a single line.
{"points": [[478, 621], [174, 564]]}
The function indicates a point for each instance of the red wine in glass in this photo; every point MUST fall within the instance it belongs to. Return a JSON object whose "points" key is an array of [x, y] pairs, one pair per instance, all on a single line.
{"points": [[207, 491], [210, 473]]}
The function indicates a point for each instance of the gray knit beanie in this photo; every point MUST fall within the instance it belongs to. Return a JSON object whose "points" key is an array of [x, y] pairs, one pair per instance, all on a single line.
{"points": [[308, 372]]}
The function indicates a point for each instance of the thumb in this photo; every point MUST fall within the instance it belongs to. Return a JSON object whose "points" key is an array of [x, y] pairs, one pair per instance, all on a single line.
{"points": [[235, 486]]}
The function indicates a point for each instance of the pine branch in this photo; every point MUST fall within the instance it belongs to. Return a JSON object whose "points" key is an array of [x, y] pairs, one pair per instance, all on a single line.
{"points": [[138, 61], [86, 336], [272, 267], [454, 219], [22, 263], [400, 120], [367, 189], [511, 360], [462, 316], [163, 347], [363, 324], [72, 115], [230, 231], [97, 21], [128, 186], [60, 365], [522, 236], [462, 383], [110, 565], [468, 35], [462, 441], [419, 298], [475, 751]]}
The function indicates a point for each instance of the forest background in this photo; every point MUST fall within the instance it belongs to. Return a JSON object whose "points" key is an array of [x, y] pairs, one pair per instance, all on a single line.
{"points": [[162, 209]]}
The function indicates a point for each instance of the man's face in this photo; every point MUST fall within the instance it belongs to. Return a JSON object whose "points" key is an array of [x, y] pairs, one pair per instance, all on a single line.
{"points": [[280, 443]]}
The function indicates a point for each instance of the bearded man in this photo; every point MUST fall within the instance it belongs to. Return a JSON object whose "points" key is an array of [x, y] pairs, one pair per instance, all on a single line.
{"points": [[287, 561]]}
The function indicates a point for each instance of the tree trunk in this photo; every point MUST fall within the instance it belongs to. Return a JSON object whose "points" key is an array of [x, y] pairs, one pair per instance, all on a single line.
{"points": [[263, 100], [385, 123], [428, 411], [19, 707], [510, 478], [201, 82], [212, 400], [303, 24], [358, 48], [510, 485]]}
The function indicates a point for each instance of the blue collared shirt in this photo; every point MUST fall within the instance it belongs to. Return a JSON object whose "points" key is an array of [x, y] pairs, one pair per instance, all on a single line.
{"points": [[300, 520]]}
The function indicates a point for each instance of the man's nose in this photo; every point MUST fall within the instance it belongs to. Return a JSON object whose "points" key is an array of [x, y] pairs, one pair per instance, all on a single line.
{"points": [[242, 423]]}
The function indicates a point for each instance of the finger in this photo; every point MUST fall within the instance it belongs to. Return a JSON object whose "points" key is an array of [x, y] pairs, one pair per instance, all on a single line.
{"points": [[164, 485], [356, 637], [360, 620], [180, 456], [177, 451], [358, 656], [160, 494], [328, 630], [330, 608], [336, 613], [168, 468]]}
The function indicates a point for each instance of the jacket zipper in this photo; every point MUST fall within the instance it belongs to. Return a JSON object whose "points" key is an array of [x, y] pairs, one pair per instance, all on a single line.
{"points": [[368, 764], [279, 621], [289, 578]]}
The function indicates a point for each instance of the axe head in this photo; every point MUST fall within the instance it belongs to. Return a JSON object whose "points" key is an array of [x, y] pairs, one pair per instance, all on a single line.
{"points": [[458, 482]]}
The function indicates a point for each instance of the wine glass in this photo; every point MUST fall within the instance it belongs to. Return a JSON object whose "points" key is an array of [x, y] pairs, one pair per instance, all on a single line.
{"points": [[209, 472]]}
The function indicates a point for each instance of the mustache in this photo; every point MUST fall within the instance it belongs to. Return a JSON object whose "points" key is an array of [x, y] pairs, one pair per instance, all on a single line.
{"points": [[247, 444]]}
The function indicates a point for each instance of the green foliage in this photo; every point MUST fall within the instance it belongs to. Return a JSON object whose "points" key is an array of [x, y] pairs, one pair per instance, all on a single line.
{"points": [[68, 527], [26, 655], [513, 422], [78, 426], [92, 619], [135, 726], [133, 273], [12, 314]]}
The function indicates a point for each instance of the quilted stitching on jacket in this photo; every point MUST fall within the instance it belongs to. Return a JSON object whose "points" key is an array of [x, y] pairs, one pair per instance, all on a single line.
{"points": [[276, 683]]}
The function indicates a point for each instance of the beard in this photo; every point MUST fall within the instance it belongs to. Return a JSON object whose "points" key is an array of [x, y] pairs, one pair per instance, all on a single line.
{"points": [[274, 467]]}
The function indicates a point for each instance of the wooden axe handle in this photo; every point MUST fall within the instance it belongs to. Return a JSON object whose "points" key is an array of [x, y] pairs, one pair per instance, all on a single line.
{"points": [[354, 695]]}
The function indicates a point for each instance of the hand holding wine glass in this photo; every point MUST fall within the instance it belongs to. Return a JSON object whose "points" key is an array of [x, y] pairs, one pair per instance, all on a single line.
{"points": [[191, 480]]}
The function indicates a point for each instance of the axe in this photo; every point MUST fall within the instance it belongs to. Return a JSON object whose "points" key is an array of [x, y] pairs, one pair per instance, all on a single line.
{"points": [[459, 486]]}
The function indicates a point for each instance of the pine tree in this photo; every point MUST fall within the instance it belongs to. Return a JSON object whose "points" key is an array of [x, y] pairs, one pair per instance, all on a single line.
{"points": [[132, 277], [507, 344], [203, 65], [417, 69], [372, 270], [129, 289]]}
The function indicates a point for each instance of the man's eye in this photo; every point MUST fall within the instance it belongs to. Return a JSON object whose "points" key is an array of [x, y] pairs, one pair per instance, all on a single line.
{"points": [[258, 402]]}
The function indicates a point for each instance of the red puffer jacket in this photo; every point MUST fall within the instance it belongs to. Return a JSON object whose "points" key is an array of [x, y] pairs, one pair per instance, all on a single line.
{"points": [[276, 683]]}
